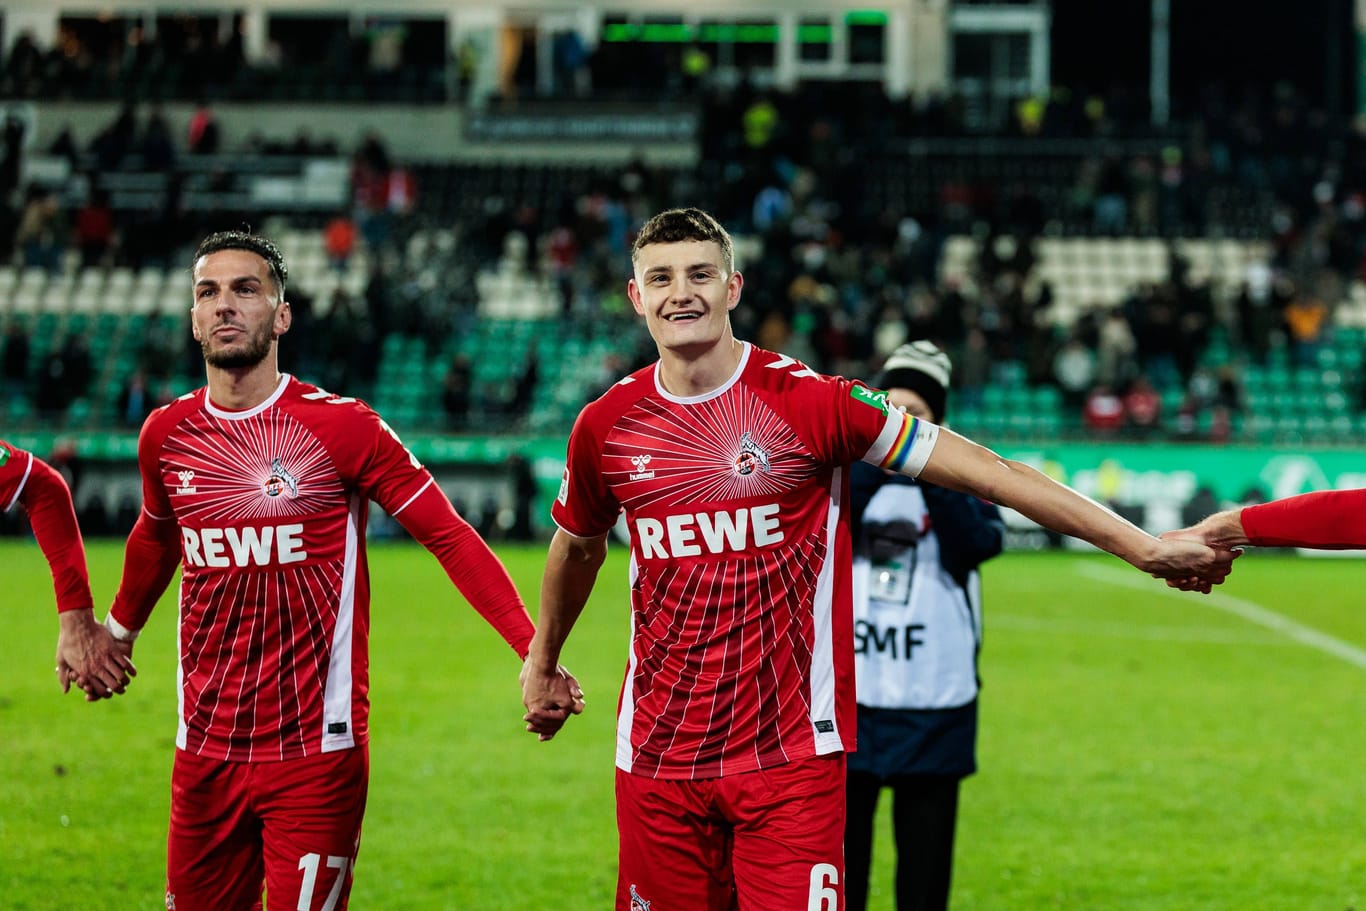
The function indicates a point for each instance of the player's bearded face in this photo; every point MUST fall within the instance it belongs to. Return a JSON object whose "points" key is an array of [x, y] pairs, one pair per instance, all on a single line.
{"points": [[250, 349], [685, 293], [238, 311]]}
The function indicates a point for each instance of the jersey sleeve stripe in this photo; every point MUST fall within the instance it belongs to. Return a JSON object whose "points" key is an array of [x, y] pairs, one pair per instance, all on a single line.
{"points": [[904, 445], [153, 516], [430, 482], [19, 488]]}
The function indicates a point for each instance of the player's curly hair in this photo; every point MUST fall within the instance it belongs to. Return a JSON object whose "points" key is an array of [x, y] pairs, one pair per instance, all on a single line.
{"points": [[252, 243], [677, 225]]}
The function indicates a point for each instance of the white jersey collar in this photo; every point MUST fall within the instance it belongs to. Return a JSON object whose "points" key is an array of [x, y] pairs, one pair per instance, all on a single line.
{"points": [[706, 396], [274, 397]]}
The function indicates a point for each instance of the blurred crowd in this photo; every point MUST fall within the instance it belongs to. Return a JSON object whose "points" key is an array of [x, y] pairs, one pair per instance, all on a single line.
{"points": [[841, 265]]}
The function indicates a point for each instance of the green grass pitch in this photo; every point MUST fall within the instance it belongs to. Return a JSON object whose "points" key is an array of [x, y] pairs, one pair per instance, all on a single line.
{"points": [[1140, 748]]}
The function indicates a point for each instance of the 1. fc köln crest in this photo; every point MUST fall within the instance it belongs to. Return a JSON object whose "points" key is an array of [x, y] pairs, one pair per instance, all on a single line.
{"points": [[751, 457]]}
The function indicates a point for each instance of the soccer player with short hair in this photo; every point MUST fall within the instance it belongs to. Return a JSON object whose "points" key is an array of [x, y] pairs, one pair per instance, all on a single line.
{"points": [[86, 654], [731, 464], [258, 485]]}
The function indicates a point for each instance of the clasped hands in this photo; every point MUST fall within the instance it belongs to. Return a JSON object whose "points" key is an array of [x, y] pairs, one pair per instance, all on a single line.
{"points": [[89, 656]]}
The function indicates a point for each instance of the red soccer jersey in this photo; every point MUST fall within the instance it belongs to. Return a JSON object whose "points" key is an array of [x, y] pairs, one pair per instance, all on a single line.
{"points": [[742, 652], [271, 506], [15, 465]]}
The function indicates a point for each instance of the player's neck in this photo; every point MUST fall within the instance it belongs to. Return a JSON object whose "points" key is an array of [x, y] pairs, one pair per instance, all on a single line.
{"points": [[241, 388], [686, 373]]}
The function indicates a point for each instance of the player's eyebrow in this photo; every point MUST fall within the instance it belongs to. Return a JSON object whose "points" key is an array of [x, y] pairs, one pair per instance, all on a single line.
{"points": [[236, 280], [694, 267]]}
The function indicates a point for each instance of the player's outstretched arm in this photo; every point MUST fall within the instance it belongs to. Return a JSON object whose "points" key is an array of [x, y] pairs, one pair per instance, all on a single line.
{"points": [[1223, 529], [960, 464], [1322, 520], [149, 561], [85, 650], [477, 573], [548, 692]]}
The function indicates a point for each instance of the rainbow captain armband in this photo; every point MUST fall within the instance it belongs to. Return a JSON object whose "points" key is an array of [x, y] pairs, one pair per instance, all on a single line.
{"points": [[905, 444]]}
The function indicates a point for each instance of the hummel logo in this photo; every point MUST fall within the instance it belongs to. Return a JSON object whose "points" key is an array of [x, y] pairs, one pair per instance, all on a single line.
{"points": [[638, 903], [186, 476], [641, 462]]}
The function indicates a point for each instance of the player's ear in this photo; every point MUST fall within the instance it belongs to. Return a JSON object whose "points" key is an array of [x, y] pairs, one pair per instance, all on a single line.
{"points": [[284, 318], [633, 292], [733, 286]]}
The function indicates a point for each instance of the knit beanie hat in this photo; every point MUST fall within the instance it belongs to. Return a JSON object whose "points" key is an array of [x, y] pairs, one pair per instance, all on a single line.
{"points": [[922, 368]]}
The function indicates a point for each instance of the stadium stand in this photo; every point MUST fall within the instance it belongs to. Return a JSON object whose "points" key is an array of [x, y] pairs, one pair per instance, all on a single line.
{"points": [[1189, 258]]}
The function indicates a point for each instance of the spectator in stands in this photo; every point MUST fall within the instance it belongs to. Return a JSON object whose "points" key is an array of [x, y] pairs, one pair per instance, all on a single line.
{"points": [[93, 230], [14, 365], [135, 400], [973, 370], [113, 143], [23, 72], [1103, 412], [1074, 370], [1112, 199], [155, 144], [1115, 350], [40, 232], [12, 133], [562, 257], [455, 392], [64, 146], [370, 166], [339, 241], [1256, 320], [527, 381], [1142, 406], [67, 462], [524, 491], [1306, 321], [203, 136]]}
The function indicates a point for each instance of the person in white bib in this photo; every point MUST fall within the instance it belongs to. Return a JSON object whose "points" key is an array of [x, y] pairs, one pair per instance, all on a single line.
{"points": [[917, 627]]}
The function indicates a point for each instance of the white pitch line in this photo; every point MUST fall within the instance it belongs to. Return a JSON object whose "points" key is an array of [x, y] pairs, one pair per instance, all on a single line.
{"points": [[1119, 629], [1245, 610]]}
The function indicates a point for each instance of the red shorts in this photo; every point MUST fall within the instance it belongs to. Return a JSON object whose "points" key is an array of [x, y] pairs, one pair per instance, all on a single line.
{"points": [[292, 826], [772, 838]]}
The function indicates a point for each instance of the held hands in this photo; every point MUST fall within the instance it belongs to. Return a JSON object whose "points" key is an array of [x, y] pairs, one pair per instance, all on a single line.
{"points": [[1189, 564], [550, 698], [89, 656], [1222, 532]]}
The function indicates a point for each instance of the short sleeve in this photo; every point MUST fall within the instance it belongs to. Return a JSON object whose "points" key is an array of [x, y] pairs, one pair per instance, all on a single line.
{"points": [[155, 502], [869, 429], [585, 506]]}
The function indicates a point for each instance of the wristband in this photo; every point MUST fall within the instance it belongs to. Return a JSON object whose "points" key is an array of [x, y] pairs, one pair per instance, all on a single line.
{"points": [[118, 630]]}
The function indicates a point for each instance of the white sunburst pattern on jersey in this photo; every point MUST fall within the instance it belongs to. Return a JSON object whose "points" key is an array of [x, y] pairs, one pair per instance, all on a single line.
{"points": [[730, 447], [264, 466]]}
